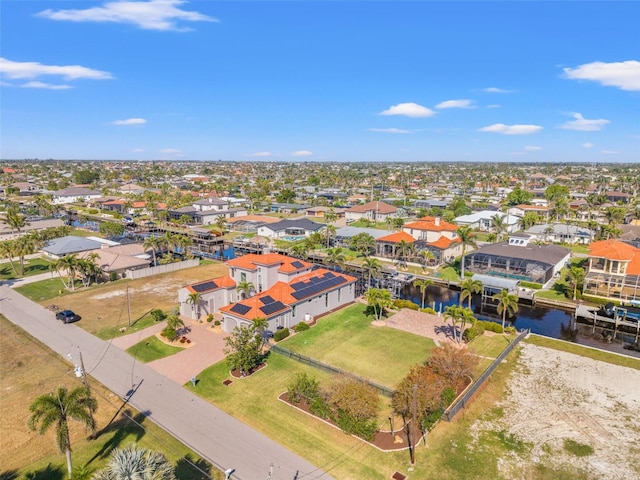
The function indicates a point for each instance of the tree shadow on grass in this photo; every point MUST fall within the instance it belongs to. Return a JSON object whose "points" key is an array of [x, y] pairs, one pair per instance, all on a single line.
{"points": [[126, 426], [50, 472], [189, 469]]}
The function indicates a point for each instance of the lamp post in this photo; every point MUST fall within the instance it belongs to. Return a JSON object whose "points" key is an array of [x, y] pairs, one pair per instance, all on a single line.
{"points": [[391, 425], [228, 472]]}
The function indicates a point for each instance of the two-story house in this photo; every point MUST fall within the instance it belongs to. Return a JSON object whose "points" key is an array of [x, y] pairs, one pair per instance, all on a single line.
{"points": [[613, 270], [435, 234]]}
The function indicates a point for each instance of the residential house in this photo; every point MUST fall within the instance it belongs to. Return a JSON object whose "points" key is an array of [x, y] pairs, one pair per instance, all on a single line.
{"points": [[518, 259], [288, 208], [483, 221], [290, 229], [437, 235], [373, 211], [520, 210], [114, 261], [73, 195], [561, 233], [6, 233], [59, 247], [613, 270], [320, 212]]}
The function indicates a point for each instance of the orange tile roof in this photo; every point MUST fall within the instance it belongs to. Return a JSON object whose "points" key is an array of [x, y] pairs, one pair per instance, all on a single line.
{"points": [[396, 237], [282, 292], [429, 224], [617, 250], [139, 204], [114, 202], [378, 207], [219, 282], [443, 242], [251, 262], [533, 207]]}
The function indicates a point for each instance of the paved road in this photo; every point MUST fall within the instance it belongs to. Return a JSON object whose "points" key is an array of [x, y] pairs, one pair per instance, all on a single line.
{"points": [[216, 436]]}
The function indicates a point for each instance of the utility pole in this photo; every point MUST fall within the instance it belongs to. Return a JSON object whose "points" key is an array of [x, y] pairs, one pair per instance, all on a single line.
{"points": [[415, 420], [129, 306], [84, 371]]}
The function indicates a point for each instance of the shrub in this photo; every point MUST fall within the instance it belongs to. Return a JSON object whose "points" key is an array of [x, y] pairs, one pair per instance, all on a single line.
{"points": [[210, 318], [217, 323], [429, 310], [281, 334], [469, 334], [303, 385], [301, 327], [576, 448], [510, 330], [169, 333], [93, 211], [399, 303], [492, 326], [157, 315], [113, 276], [533, 285]]}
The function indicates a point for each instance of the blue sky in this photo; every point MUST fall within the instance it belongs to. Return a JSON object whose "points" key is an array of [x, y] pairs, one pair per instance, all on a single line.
{"points": [[320, 81]]}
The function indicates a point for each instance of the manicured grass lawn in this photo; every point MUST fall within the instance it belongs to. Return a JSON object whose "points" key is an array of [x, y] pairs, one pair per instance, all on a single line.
{"points": [[579, 249], [489, 345], [103, 307], [552, 295], [346, 339], [449, 273], [29, 369], [600, 355], [32, 266], [151, 349]]}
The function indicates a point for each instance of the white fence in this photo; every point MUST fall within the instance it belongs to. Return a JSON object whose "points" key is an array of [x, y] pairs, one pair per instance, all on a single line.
{"points": [[170, 267]]}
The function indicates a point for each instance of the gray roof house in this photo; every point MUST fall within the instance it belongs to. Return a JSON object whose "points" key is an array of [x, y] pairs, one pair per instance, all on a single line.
{"points": [[562, 233], [292, 228], [59, 247], [74, 194]]}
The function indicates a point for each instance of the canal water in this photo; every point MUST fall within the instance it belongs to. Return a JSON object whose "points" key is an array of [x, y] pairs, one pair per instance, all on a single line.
{"points": [[546, 321]]}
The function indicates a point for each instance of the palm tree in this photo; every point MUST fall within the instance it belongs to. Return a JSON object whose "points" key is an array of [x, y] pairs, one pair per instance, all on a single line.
{"points": [[466, 316], [422, 284], [8, 251], [363, 243], [221, 223], [468, 287], [69, 263], [260, 324], [153, 244], [329, 231], [195, 299], [335, 257], [56, 409], [372, 267], [331, 215], [14, 219], [466, 235], [300, 249], [403, 250], [87, 267], [499, 225], [507, 304], [132, 462], [427, 256], [246, 288], [174, 322], [576, 277], [453, 313], [379, 299]]}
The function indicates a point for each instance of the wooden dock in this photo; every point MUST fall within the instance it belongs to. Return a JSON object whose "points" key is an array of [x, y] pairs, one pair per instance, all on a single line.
{"points": [[590, 314]]}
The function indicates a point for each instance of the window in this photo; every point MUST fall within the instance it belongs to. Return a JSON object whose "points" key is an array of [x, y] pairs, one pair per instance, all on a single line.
{"points": [[326, 299], [243, 277], [339, 292], [351, 289], [293, 311]]}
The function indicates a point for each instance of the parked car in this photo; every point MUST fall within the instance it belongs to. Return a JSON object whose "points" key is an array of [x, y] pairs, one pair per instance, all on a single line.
{"points": [[266, 334], [67, 316]]}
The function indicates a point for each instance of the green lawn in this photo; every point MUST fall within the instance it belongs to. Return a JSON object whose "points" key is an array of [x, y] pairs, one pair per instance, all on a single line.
{"points": [[346, 339], [449, 273], [489, 345], [552, 295], [600, 355], [151, 349], [46, 289], [32, 266], [579, 249]]}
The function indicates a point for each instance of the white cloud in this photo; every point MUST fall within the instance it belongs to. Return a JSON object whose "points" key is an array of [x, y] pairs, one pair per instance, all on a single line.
{"points": [[151, 15], [389, 130], [259, 154], [532, 148], [608, 152], [511, 129], [18, 70], [588, 145], [496, 90], [130, 121], [48, 86], [624, 75], [582, 124], [462, 103], [409, 110], [494, 105], [302, 153]]}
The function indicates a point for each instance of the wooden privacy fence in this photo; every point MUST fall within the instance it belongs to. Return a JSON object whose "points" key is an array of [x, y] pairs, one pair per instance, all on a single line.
{"points": [[387, 392]]}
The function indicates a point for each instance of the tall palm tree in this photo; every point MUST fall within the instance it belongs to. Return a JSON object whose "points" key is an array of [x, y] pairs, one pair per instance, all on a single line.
{"points": [[195, 299], [14, 219], [507, 304], [499, 225], [329, 232], [300, 249], [422, 284], [7, 250], [153, 244], [260, 324], [68, 263], [372, 267], [453, 313], [576, 277], [221, 223], [403, 250], [468, 287], [245, 288], [335, 257], [427, 257], [56, 409], [466, 316], [467, 239], [363, 243], [136, 463], [379, 299]]}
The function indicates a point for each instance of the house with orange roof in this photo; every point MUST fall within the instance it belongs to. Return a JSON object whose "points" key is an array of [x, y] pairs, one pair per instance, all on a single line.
{"points": [[284, 305], [214, 294], [437, 235], [613, 270]]}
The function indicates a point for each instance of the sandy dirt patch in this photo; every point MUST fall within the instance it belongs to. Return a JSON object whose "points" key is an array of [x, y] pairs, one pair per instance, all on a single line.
{"points": [[554, 396], [425, 324]]}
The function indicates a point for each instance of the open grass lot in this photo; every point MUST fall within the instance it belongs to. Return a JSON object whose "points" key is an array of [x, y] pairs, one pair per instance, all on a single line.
{"points": [[45, 290], [489, 345], [151, 349], [29, 369], [346, 339], [103, 307], [583, 351], [32, 266]]}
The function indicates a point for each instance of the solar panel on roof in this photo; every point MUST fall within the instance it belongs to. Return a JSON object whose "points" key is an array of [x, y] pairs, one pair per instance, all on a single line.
{"points": [[203, 287], [298, 285], [297, 264], [266, 299], [272, 308], [240, 308]]}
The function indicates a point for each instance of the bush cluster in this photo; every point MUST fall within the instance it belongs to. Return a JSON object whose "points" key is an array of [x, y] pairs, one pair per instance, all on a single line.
{"points": [[169, 333], [533, 285], [399, 303], [491, 326], [210, 318], [301, 327], [428, 310], [281, 334]]}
